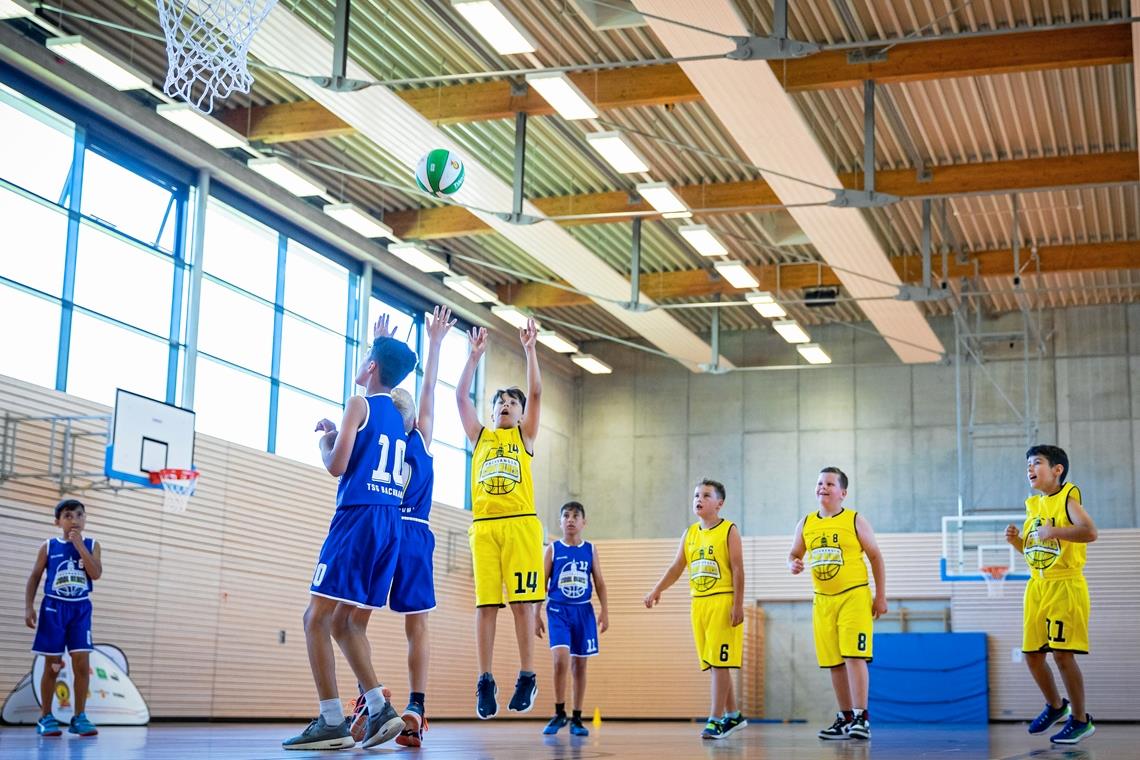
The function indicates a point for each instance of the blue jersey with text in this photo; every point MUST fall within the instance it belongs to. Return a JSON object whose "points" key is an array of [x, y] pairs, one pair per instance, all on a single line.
{"points": [[375, 472], [419, 475], [571, 579], [66, 578]]}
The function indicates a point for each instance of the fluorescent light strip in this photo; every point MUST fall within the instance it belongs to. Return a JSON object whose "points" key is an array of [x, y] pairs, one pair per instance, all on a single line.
{"points": [[813, 353], [277, 171], [412, 254], [662, 197], [11, 9], [557, 90], [765, 303], [352, 217], [702, 239], [97, 63], [790, 330], [496, 25], [556, 342], [591, 364], [618, 152], [512, 315], [469, 289], [736, 273], [201, 126]]}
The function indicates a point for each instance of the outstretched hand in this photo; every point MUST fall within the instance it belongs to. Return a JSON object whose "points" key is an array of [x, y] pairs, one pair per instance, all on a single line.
{"points": [[380, 329], [528, 334], [438, 325], [477, 340]]}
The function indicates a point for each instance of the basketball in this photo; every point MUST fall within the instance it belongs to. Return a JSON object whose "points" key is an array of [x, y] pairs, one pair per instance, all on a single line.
{"points": [[439, 172]]}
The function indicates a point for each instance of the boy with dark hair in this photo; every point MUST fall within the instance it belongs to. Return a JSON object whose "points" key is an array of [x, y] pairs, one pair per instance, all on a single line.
{"points": [[1056, 603], [835, 540], [712, 551], [359, 554], [572, 573], [64, 622]]}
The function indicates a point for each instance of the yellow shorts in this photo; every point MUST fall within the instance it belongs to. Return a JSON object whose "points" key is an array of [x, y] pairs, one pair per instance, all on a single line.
{"points": [[507, 551], [1056, 616], [843, 626], [719, 643]]}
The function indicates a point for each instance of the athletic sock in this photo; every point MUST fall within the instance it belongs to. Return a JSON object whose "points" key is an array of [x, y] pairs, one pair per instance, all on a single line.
{"points": [[527, 673], [374, 699], [417, 698], [332, 711], [560, 709], [733, 715], [577, 715], [860, 711]]}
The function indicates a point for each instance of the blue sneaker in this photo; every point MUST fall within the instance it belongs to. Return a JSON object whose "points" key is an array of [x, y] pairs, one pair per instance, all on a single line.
{"points": [[577, 729], [712, 730], [1050, 716], [732, 723], [556, 724], [320, 735], [415, 724], [384, 726], [48, 726], [526, 689], [1074, 731], [486, 698], [82, 726]]}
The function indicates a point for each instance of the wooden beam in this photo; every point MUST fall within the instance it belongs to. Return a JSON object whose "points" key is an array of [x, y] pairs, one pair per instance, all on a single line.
{"points": [[286, 122], [701, 282], [989, 177]]}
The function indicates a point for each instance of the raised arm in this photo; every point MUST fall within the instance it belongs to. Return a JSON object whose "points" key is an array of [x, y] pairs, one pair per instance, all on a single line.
{"points": [[669, 578], [33, 584], [796, 553], [437, 327], [736, 562], [1082, 531], [528, 337], [336, 447], [92, 560], [603, 598], [878, 569], [477, 341]]}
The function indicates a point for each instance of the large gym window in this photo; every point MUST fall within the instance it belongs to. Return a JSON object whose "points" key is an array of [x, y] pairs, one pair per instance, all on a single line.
{"points": [[30, 352], [37, 149]]}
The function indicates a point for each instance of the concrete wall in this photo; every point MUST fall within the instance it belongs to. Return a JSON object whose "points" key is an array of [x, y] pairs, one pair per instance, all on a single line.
{"points": [[651, 429]]}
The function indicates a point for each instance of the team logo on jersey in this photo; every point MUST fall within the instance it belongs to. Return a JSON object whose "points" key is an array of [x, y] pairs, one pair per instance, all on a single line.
{"points": [[704, 570], [70, 580], [826, 558], [574, 579], [1040, 553], [500, 474]]}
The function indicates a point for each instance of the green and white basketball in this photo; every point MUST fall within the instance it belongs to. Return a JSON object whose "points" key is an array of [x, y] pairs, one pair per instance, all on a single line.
{"points": [[439, 172]]}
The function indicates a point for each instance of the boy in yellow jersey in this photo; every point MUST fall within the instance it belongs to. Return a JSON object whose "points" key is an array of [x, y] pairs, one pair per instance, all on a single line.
{"points": [[506, 534], [1056, 610], [835, 540], [711, 551]]}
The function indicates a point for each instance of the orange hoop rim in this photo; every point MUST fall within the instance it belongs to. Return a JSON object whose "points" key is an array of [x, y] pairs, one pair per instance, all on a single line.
{"points": [[173, 474], [994, 572]]}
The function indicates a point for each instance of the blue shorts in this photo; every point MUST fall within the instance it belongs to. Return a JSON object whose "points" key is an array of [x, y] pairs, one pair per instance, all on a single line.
{"points": [[413, 584], [572, 626], [63, 625], [359, 556]]}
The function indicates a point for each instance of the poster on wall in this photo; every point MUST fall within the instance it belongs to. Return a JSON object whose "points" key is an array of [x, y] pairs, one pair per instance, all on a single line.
{"points": [[112, 698]]}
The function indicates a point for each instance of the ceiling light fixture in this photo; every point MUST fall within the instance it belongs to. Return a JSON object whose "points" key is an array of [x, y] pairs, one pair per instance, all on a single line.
{"points": [[618, 152], [352, 217], [765, 303], [97, 63], [556, 342], [200, 125], [469, 288], [512, 315], [662, 197], [557, 90], [737, 273], [813, 353], [496, 25], [703, 240], [790, 330], [277, 171], [412, 254], [591, 364]]}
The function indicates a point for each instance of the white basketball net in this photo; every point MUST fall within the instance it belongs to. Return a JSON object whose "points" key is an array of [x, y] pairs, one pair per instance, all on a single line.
{"points": [[995, 580], [207, 43], [177, 488]]}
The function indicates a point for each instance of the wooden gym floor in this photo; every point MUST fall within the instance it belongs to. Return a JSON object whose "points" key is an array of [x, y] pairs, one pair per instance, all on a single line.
{"points": [[522, 740]]}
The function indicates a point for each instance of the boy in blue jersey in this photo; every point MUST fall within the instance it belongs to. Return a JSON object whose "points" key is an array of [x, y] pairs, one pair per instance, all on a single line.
{"points": [[572, 572], [64, 622], [359, 554]]}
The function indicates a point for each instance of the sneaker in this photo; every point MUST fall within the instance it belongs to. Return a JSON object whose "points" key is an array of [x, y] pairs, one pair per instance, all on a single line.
{"points": [[713, 730], [577, 729], [556, 724], [382, 727], [320, 735], [860, 727], [359, 719], [48, 726], [526, 689], [1074, 731], [486, 698], [837, 730], [1050, 716], [82, 726], [730, 724], [415, 724]]}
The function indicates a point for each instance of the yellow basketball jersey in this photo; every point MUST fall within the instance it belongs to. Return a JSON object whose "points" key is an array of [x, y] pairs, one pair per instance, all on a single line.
{"points": [[706, 552], [501, 485], [834, 553], [1052, 559]]}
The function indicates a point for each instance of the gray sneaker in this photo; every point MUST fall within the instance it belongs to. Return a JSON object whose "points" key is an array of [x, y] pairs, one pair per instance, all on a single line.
{"points": [[384, 726], [320, 735]]}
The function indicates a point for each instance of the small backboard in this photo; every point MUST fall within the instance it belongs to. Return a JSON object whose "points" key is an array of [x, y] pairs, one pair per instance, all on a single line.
{"points": [[976, 541], [147, 436]]}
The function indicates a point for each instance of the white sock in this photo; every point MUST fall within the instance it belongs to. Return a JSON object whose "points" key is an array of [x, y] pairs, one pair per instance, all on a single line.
{"points": [[374, 698], [332, 711], [858, 711]]}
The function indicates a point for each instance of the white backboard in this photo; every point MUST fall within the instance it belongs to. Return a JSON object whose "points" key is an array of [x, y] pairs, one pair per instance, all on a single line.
{"points": [[147, 436]]}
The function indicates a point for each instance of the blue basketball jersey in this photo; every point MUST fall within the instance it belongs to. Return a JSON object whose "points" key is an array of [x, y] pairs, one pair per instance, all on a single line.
{"points": [[66, 577], [571, 580], [375, 473], [419, 475]]}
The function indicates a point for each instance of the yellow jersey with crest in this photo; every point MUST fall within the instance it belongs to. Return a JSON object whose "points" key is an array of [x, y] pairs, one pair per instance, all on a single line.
{"points": [[833, 552], [1052, 559], [501, 485], [706, 555]]}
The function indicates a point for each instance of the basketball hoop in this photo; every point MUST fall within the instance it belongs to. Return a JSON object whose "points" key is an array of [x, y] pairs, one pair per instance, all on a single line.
{"points": [[177, 488], [995, 579], [207, 44]]}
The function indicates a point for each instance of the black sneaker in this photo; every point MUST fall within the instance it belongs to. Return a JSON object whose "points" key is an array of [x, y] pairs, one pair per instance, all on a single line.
{"points": [[577, 729], [729, 724], [860, 727], [526, 689], [556, 724], [1074, 731], [837, 730], [1050, 716], [486, 698], [713, 730]]}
